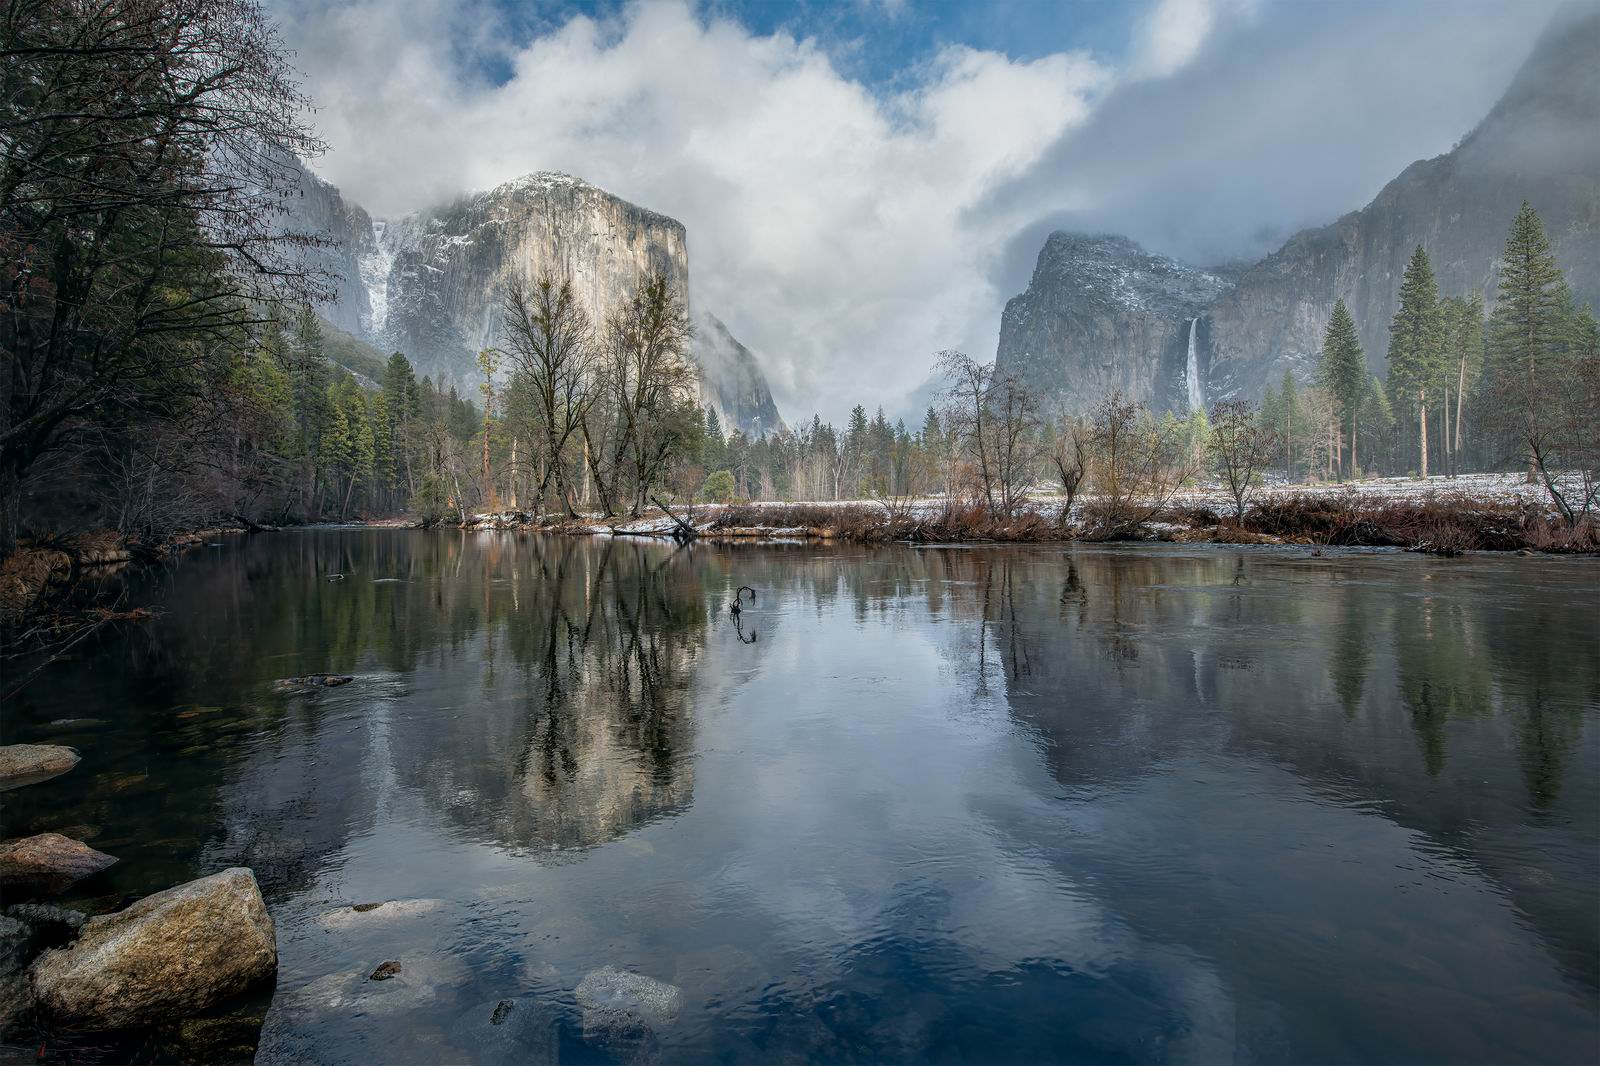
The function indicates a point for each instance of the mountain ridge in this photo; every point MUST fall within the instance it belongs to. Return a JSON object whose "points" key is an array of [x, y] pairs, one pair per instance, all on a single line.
{"points": [[431, 283], [1539, 142]]}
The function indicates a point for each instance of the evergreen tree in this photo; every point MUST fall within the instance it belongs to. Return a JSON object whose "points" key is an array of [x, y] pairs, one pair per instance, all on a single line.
{"points": [[1343, 372], [1289, 425], [714, 450], [1416, 345], [1527, 330]]}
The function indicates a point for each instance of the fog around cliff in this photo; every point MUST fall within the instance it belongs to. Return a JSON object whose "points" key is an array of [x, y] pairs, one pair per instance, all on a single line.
{"points": [[846, 227]]}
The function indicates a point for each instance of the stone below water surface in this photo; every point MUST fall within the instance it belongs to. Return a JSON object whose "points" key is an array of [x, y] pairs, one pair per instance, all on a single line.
{"points": [[373, 915], [623, 1010], [316, 681], [167, 956], [47, 864], [27, 764]]}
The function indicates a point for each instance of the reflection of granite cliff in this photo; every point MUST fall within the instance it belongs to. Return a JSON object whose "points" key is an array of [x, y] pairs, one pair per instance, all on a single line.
{"points": [[586, 731]]}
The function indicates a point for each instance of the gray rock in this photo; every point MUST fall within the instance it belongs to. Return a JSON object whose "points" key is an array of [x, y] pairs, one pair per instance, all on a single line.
{"points": [[373, 915], [15, 938], [622, 1012], [48, 863], [27, 764], [610, 991], [169, 955]]}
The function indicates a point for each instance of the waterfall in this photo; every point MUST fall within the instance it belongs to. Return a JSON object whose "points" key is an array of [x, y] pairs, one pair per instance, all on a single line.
{"points": [[1192, 370]]}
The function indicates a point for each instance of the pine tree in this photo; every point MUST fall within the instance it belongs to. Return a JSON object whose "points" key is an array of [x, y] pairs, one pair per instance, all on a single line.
{"points": [[1464, 356], [713, 444], [1343, 371], [1289, 413], [1527, 330], [1416, 344]]}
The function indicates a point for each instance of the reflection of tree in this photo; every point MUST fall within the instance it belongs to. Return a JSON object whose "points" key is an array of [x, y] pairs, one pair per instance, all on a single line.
{"points": [[1443, 671], [1350, 653], [1547, 673], [586, 730]]}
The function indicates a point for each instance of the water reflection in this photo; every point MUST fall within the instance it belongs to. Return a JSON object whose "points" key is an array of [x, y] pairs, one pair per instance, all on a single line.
{"points": [[913, 804]]}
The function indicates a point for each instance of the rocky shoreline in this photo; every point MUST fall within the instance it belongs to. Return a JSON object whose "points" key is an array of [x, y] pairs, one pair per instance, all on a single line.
{"points": [[160, 963]]}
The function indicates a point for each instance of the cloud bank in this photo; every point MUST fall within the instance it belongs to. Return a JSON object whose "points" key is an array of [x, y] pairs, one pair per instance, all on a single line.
{"points": [[846, 232]]}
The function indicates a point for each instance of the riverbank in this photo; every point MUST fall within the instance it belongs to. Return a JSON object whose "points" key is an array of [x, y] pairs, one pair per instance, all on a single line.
{"points": [[1442, 516]]}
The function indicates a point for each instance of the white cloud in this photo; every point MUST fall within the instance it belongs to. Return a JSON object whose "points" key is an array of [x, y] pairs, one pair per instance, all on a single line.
{"points": [[1170, 35], [845, 232], [826, 221]]}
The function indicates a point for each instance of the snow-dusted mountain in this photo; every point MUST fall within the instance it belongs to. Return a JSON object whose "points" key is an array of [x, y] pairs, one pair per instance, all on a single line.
{"points": [[431, 284], [1101, 313]]}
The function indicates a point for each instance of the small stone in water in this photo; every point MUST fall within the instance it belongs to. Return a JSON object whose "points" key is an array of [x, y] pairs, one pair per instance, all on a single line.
{"points": [[386, 970], [501, 1010]]}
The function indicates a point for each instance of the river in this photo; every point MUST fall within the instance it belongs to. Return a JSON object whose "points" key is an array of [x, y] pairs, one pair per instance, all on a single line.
{"points": [[1065, 804]]}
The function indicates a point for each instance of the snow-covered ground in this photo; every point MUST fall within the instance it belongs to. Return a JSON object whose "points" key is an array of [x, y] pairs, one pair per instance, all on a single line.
{"points": [[1489, 488]]}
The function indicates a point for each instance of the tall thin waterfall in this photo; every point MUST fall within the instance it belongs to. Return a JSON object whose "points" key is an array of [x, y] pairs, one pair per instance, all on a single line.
{"points": [[1191, 370]]}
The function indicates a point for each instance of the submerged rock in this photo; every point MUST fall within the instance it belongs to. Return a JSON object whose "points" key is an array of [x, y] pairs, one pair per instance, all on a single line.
{"points": [[622, 1010], [316, 681], [385, 971], [48, 863], [27, 764], [613, 991], [168, 955], [364, 915]]}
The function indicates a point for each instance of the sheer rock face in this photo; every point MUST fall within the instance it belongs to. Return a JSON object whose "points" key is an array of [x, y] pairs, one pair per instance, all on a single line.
{"points": [[731, 380], [432, 284], [1540, 143], [1103, 315], [448, 270], [1094, 317], [167, 956], [344, 232]]}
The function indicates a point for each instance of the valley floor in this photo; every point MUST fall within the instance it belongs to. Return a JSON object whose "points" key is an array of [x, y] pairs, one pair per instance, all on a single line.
{"points": [[1494, 512]]}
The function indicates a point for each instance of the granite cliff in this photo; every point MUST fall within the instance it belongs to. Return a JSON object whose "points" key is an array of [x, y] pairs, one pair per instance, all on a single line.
{"points": [[431, 284], [1102, 314]]}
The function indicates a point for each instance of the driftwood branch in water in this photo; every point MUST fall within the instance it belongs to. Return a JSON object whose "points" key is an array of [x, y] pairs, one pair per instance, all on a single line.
{"points": [[684, 531]]}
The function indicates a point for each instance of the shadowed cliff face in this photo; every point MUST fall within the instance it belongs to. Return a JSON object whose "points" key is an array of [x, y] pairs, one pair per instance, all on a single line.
{"points": [[1103, 315], [344, 231], [731, 381], [1541, 143]]}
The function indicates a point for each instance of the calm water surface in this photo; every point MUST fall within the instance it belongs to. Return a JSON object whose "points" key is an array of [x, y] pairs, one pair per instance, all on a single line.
{"points": [[1144, 805]]}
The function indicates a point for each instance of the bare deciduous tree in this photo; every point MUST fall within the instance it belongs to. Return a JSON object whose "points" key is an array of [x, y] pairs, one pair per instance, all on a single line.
{"points": [[1241, 447], [551, 343], [1139, 465], [1071, 458]]}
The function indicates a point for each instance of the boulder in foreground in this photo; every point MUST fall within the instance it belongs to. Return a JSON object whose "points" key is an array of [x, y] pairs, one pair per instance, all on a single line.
{"points": [[27, 764], [169, 955], [47, 863]]}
